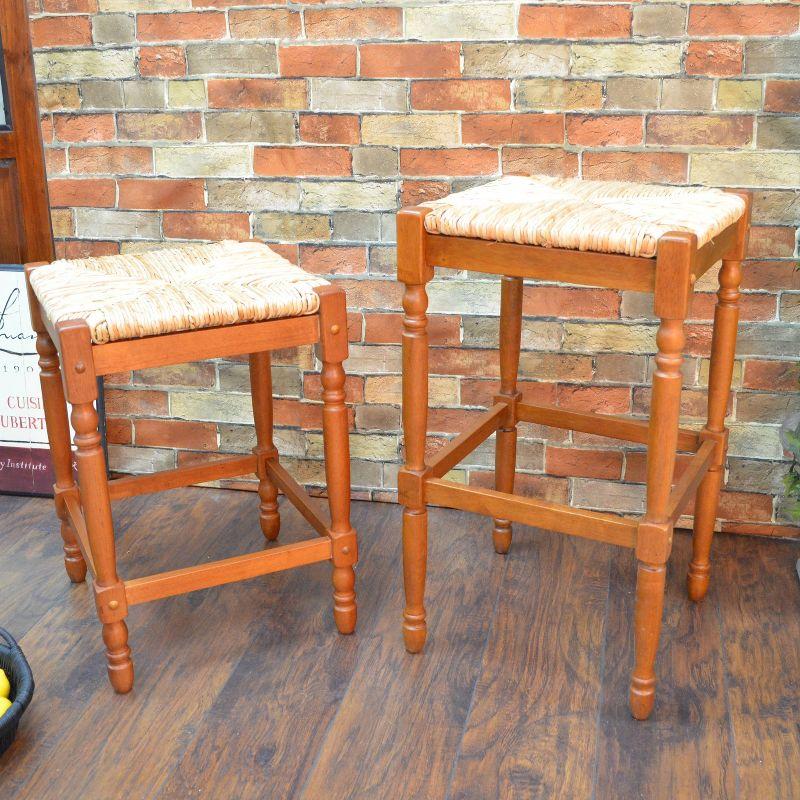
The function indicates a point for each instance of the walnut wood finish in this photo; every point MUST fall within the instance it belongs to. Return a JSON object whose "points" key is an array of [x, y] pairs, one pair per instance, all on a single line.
{"points": [[723, 352], [265, 450], [670, 276], [85, 512]]}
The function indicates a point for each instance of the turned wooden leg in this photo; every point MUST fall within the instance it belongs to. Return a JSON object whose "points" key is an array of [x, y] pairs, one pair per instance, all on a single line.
{"points": [[58, 435], [723, 351], [261, 391], [654, 535], [650, 580], [109, 591], [506, 443], [333, 350], [414, 272]]}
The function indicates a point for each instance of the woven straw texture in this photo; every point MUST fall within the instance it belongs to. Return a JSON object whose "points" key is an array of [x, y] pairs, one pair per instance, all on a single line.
{"points": [[599, 216], [176, 289]]}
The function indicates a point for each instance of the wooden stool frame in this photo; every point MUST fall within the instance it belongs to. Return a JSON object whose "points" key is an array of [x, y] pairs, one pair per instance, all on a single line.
{"points": [[670, 276], [70, 365]]}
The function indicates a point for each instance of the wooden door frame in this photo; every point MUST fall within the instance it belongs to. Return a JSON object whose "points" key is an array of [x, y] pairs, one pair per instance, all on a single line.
{"points": [[21, 148]]}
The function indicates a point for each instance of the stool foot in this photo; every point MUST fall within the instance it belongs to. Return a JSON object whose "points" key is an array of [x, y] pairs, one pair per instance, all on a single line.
{"points": [[697, 581], [269, 516], [501, 536], [344, 599], [650, 581], [415, 555], [118, 656], [642, 697], [415, 632]]}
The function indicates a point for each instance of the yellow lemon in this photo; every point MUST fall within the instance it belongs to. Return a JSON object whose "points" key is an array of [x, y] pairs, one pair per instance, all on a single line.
{"points": [[5, 686], [5, 704]]}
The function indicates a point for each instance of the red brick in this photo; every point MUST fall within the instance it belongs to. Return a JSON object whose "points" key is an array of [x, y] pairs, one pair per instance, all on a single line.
{"points": [[636, 466], [462, 161], [84, 127], [206, 225], [385, 328], [541, 160], [87, 249], [754, 529], [183, 126], [111, 160], [166, 61], [771, 276], [300, 61], [265, 23], [354, 23], [771, 241], [456, 361], [57, 31], [782, 96], [571, 462], [47, 127], [751, 306], [412, 193], [281, 161], [136, 403], [176, 433], [325, 260], [714, 58], [698, 339], [353, 388], [330, 128], [239, 93], [557, 301], [575, 22], [461, 95], [595, 399], [777, 376], [411, 60], [162, 193], [599, 131], [55, 160], [770, 19], [744, 505], [67, 192], [640, 167], [180, 27], [118, 430], [512, 128], [479, 392], [689, 129], [69, 6]]}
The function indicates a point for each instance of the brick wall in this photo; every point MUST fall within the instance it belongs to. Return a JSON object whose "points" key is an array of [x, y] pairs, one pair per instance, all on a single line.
{"points": [[308, 124]]}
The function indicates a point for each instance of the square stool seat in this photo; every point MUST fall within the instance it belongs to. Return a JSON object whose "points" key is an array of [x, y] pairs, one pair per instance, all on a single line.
{"points": [[175, 289], [574, 214]]}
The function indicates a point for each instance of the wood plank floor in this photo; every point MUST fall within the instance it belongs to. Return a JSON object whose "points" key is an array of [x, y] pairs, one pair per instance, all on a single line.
{"points": [[247, 691]]}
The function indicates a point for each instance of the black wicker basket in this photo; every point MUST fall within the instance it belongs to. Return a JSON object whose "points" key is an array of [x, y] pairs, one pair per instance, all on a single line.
{"points": [[21, 679]]}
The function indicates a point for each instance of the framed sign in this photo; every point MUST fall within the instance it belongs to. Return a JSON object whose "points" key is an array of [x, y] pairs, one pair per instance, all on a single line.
{"points": [[25, 466]]}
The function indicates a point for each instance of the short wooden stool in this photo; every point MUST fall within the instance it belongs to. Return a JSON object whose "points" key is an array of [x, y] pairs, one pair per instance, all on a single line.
{"points": [[610, 234], [97, 316]]}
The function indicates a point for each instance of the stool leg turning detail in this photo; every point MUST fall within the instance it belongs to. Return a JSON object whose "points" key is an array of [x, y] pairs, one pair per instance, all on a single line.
{"points": [[332, 351], [414, 273], [723, 353], [261, 391], [58, 435], [81, 383], [506, 442]]}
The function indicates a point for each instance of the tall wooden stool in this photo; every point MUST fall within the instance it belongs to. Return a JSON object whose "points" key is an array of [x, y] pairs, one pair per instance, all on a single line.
{"points": [[96, 316], [618, 235]]}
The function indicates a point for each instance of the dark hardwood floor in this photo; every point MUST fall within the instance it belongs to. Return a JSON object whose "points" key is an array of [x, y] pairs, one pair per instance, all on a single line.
{"points": [[247, 691]]}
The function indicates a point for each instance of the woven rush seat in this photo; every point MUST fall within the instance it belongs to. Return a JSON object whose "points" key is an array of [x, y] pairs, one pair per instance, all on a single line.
{"points": [[175, 289], [573, 214]]}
